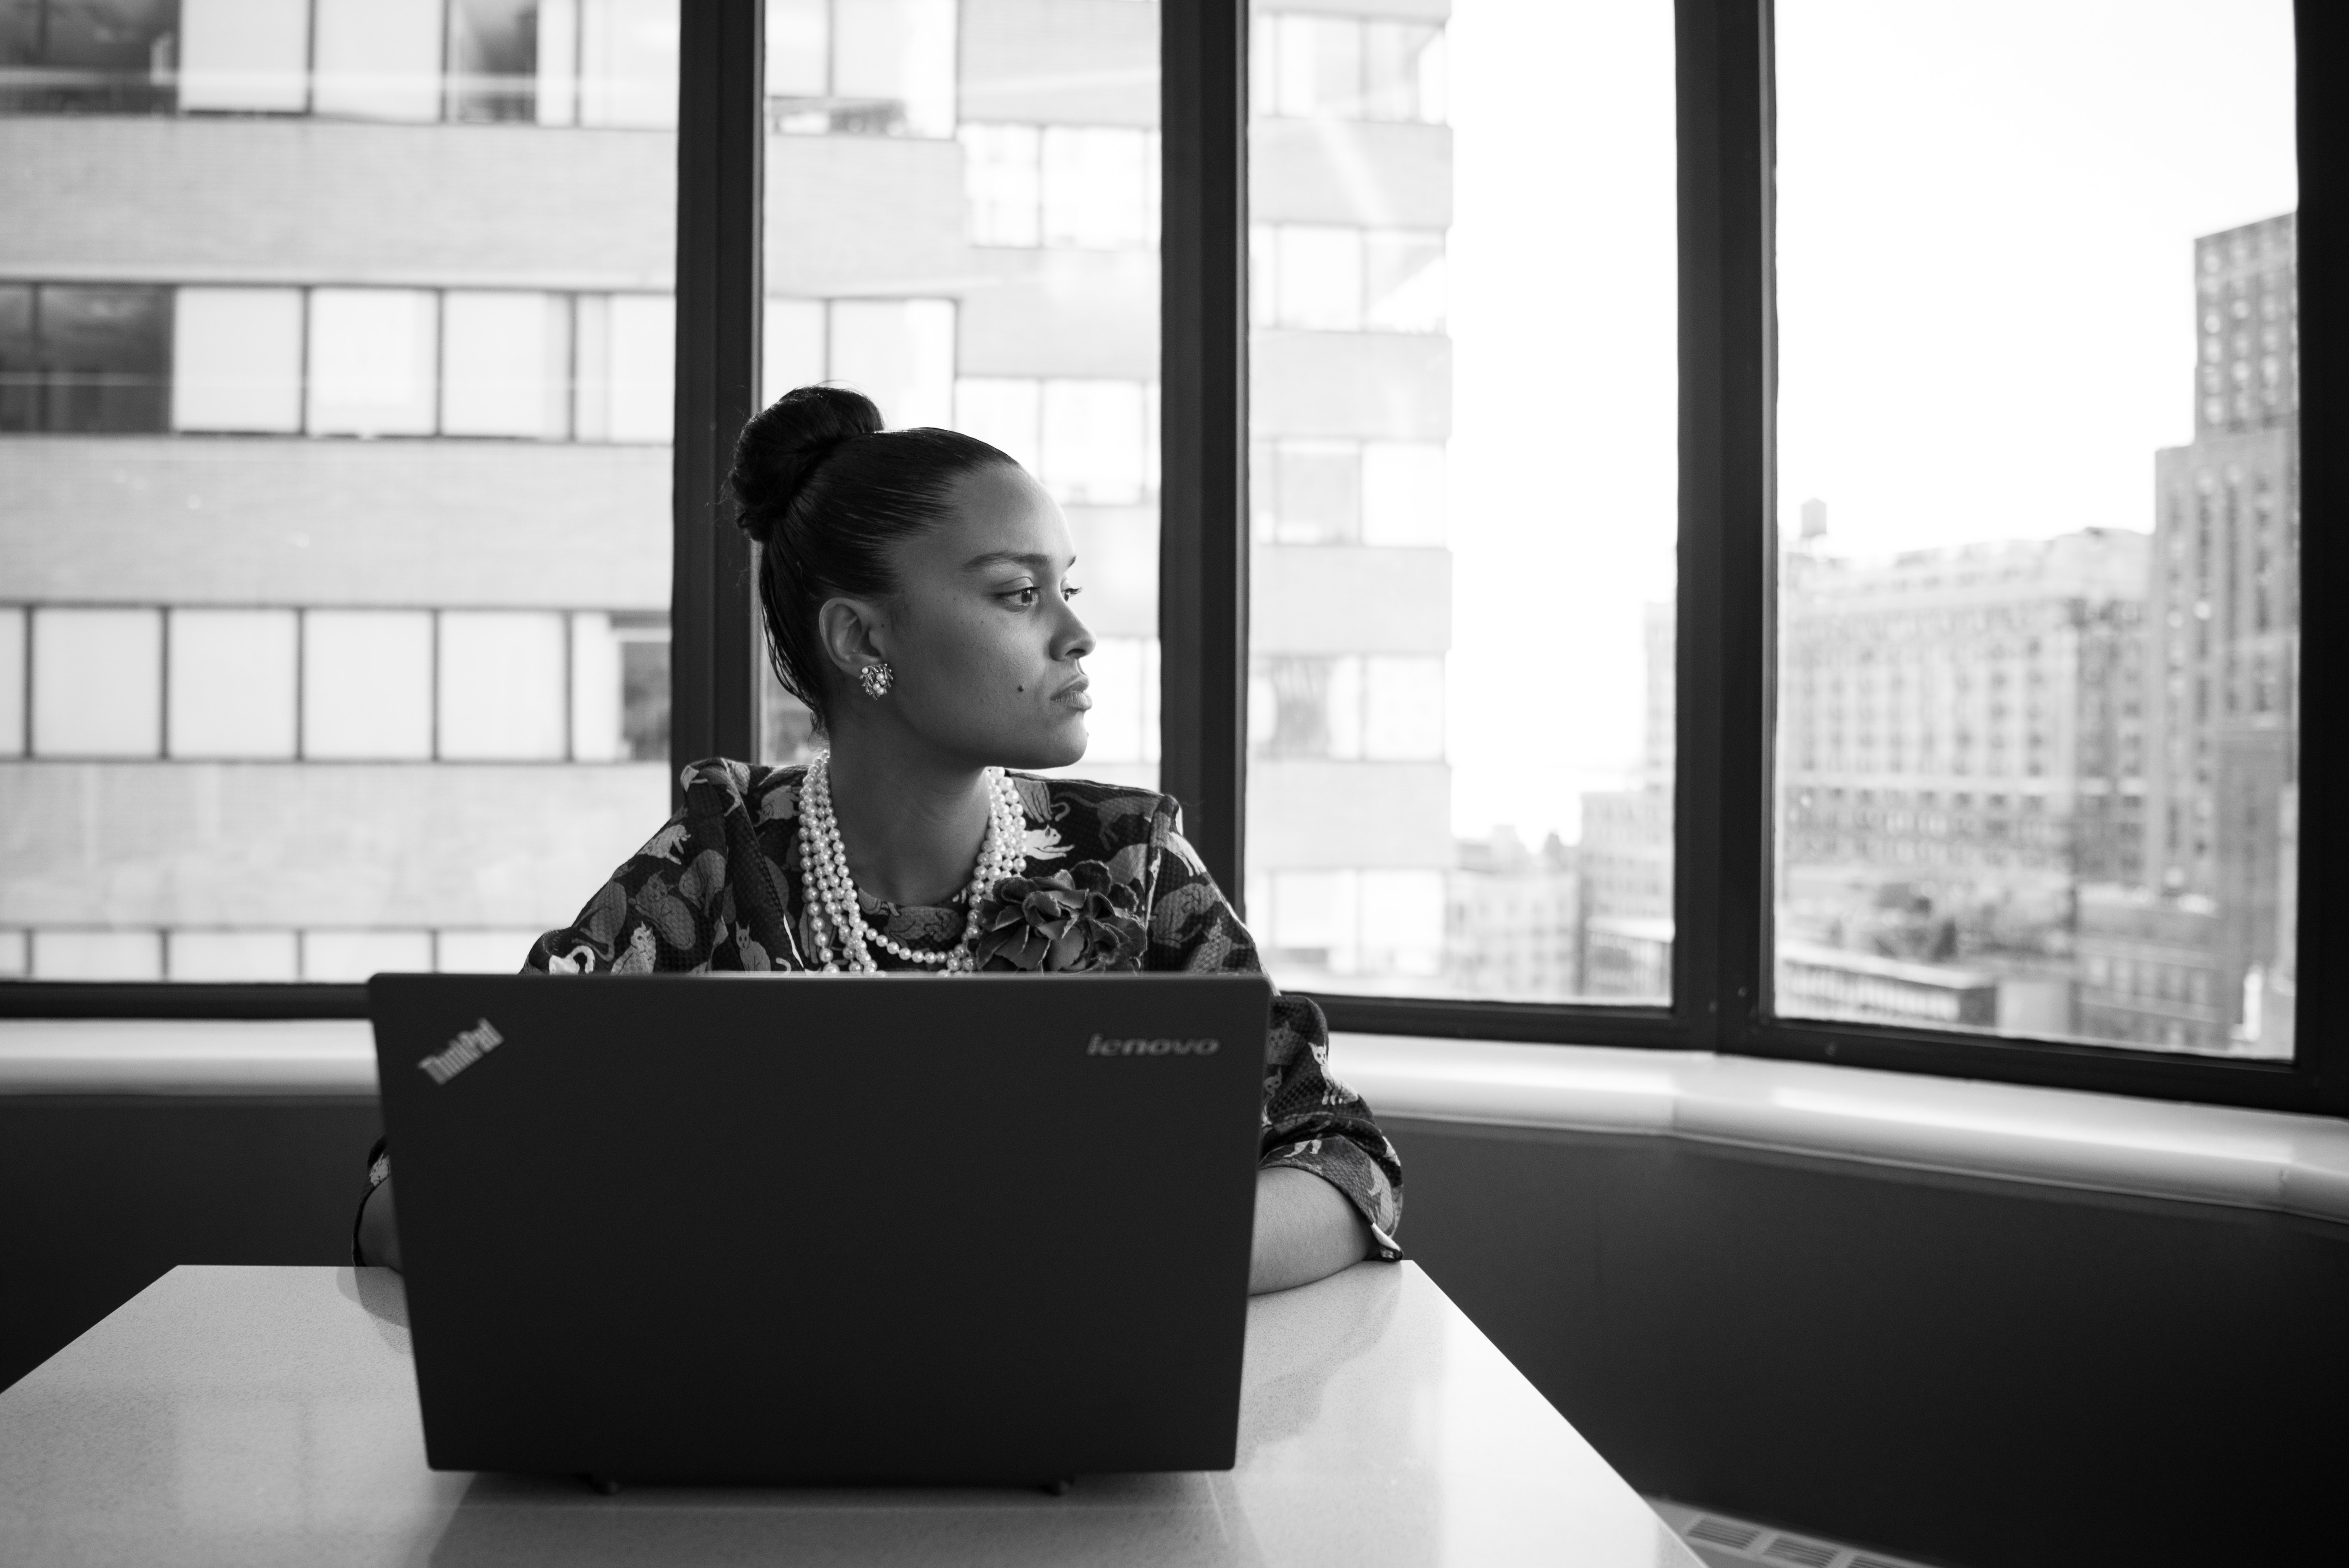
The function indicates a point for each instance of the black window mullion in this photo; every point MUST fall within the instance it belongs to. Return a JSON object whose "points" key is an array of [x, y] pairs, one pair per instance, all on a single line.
{"points": [[720, 168], [1720, 816], [2321, 1023], [1203, 544]]}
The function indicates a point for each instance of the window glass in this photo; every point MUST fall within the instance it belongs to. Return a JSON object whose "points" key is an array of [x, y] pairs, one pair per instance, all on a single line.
{"points": [[374, 361], [1461, 400], [377, 59], [244, 56], [97, 682], [232, 955], [84, 359], [493, 59], [367, 685], [86, 56], [2037, 710], [334, 546], [500, 675], [505, 363], [236, 361], [553, 62], [897, 58], [627, 62], [12, 666], [970, 239], [234, 679]]}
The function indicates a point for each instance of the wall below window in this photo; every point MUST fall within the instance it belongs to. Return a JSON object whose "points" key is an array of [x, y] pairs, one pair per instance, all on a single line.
{"points": [[106, 1192], [1984, 1373], [1987, 1372]]}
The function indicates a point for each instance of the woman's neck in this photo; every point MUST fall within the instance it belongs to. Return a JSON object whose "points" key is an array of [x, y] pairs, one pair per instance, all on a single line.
{"points": [[913, 826]]}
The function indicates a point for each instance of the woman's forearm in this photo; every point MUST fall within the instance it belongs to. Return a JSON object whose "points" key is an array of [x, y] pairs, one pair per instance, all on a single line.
{"points": [[1304, 1230], [378, 1234]]}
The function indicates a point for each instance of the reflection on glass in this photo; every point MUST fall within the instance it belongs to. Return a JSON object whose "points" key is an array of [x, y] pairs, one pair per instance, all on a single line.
{"points": [[84, 359], [2037, 716], [333, 572], [1460, 289], [978, 250]]}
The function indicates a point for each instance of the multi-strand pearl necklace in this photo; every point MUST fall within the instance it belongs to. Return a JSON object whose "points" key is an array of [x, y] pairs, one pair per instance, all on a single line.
{"points": [[831, 892]]}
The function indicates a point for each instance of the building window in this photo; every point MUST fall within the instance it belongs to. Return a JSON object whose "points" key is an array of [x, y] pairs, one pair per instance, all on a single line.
{"points": [[872, 68], [1327, 278], [1064, 187], [1344, 67], [84, 359]]}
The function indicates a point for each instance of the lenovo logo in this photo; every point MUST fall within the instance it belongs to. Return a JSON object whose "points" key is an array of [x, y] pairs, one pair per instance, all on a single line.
{"points": [[1105, 1045], [464, 1051]]}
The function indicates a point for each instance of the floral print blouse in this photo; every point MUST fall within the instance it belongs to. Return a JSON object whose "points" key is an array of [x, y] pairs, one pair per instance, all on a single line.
{"points": [[1109, 884]]}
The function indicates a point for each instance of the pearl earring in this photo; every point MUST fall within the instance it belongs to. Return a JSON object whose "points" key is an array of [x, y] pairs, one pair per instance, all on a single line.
{"points": [[876, 679]]}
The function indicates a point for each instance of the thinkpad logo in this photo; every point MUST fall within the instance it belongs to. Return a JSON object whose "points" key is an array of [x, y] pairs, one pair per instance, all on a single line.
{"points": [[1156, 1045], [465, 1049]]}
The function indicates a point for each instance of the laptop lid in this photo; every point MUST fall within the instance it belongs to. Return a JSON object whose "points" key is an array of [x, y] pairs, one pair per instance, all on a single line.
{"points": [[821, 1229]]}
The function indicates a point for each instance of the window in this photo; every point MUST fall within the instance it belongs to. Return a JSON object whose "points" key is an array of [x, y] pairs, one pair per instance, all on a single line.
{"points": [[1449, 542], [610, 63], [1508, 555], [57, 56], [1066, 187], [967, 303], [333, 547], [84, 359], [1348, 67], [2063, 882], [861, 66]]}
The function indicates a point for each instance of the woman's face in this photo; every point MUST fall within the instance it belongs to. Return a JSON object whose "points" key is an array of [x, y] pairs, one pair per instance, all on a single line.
{"points": [[981, 632]]}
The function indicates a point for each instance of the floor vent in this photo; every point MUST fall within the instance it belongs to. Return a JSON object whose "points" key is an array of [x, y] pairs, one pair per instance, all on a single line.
{"points": [[1804, 1554], [1722, 1532], [1724, 1540]]}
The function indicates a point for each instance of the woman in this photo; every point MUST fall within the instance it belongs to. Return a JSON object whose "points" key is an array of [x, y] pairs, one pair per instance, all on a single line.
{"points": [[915, 591]]}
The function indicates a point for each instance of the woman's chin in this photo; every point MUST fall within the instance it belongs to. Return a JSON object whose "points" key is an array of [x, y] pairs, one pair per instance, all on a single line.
{"points": [[1060, 747]]}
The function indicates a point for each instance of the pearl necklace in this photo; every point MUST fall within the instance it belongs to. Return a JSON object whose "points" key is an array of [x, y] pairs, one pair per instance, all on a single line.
{"points": [[830, 892]]}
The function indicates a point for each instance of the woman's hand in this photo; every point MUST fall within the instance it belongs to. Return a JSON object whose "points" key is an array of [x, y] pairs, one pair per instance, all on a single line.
{"points": [[1304, 1230], [379, 1235]]}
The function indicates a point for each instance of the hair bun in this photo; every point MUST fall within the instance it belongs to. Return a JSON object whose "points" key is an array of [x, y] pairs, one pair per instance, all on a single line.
{"points": [[782, 447]]}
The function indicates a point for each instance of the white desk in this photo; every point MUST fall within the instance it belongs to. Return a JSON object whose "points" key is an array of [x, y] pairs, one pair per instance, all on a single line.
{"points": [[253, 1416]]}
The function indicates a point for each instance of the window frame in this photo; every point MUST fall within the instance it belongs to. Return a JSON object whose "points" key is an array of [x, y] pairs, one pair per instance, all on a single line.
{"points": [[1725, 596], [1727, 671]]}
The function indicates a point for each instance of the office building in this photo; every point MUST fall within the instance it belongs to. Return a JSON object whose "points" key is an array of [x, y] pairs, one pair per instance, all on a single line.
{"points": [[334, 402], [1349, 830], [2221, 683], [1512, 915], [1959, 744]]}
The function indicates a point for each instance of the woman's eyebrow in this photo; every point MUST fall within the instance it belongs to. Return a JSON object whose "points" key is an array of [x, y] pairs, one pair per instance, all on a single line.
{"points": [[1039, 562]]}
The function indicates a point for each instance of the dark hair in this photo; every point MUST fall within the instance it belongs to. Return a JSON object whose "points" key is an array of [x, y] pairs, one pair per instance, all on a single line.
{"points": [[824, 490]]}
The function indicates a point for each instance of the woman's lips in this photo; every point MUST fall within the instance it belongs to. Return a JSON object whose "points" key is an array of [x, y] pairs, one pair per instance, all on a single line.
{"points": [[1075, 694]]}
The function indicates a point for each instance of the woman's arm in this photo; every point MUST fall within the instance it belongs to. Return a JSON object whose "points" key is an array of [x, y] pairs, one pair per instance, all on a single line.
{"points": [[378, 1234], [1304, 1230]]}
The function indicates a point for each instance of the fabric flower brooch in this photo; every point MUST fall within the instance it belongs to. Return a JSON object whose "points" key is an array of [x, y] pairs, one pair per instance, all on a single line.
{"points": [[1082, 919]]}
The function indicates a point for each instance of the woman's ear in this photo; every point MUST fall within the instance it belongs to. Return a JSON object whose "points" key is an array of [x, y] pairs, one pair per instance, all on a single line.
{"points": [[851, 630]]}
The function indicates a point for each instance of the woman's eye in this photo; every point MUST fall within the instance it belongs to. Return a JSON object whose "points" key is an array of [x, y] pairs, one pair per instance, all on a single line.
{"points": [[1023, 597], [1071, 591]]}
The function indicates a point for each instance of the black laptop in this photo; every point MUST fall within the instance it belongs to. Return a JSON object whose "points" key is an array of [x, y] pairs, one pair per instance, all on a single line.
{"points": [[817, 1229]]}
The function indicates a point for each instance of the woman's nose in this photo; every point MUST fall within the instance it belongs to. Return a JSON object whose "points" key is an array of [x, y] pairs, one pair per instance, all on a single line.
{"points": [[1076, 639]]}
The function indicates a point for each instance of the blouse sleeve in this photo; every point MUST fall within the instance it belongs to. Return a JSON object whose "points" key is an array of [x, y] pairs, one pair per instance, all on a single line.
{"points": [[1311, 1121], [700, 895]]}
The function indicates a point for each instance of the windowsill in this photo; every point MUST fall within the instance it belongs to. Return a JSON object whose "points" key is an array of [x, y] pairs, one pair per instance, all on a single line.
{"points": [[187, 1056], [2058, 1137]]}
